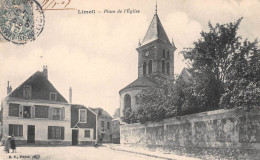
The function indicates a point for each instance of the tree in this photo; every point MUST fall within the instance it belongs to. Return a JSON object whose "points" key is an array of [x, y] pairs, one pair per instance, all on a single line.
{"points": [[225, 68], [116, 113], [242, 88], [164, 101]]}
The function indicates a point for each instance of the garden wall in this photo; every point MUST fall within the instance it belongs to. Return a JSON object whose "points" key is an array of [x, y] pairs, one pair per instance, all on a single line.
{"points": [[217, 129]]}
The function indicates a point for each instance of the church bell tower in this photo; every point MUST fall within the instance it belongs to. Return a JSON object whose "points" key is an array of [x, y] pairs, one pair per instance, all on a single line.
{"points": [[156, 52], [155, 59]]}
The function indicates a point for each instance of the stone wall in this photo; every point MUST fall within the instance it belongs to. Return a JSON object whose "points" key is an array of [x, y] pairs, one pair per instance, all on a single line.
{"points": [[217, 129]]}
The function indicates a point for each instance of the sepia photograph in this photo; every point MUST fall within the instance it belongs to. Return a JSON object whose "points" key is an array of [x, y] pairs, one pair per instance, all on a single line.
{"points": [[129, 80]]}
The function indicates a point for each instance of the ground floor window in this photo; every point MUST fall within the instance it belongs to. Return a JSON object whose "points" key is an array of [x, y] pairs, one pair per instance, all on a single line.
{"points": [[55, 132], [87, 133], [16, 130]]}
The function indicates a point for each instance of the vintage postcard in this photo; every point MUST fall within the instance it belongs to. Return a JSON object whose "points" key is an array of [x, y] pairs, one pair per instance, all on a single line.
{"points": [[129, 79]]}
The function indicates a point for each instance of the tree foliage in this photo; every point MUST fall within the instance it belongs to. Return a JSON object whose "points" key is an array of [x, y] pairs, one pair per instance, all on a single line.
{"points": [[116, 113], [225, 68], [242, 88]]}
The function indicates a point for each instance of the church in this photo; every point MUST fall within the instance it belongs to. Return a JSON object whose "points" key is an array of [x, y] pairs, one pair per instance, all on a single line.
{"points": [[155, 59]]}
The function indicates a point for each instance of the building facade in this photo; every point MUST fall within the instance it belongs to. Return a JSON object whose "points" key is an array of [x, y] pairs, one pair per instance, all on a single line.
{"points": [[116, 131], [83, 124], [104, 125], [155, 59], [36, 113]]}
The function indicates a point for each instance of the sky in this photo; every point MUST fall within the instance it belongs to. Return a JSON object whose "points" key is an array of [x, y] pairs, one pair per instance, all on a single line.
{"points": [[96, 55]]}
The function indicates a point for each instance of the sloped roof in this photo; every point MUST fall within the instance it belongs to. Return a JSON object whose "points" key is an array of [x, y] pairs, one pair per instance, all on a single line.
{"points": [[41, 88], [141, 82], [155, 31], [104, 113], [185, 76]]}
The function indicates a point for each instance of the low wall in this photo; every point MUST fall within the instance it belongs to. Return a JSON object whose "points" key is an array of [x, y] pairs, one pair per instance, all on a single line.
{"points": [[217, 129]]}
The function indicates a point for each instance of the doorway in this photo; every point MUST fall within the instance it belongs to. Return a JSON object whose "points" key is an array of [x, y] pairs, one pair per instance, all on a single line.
{"points": [[75, 137], [31, 134]]}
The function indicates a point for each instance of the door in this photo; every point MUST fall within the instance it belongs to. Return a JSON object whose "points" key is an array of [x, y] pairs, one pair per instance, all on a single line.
{"points": [[74, 137], [31, 134]]}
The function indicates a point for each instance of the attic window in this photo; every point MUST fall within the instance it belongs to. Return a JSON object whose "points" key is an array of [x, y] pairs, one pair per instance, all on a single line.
{"points": [[27, 92], [100, 112], [53, 96]]}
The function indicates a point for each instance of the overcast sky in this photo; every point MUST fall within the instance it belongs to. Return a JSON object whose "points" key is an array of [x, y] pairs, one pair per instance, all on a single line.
{"points": [[96, 54]]}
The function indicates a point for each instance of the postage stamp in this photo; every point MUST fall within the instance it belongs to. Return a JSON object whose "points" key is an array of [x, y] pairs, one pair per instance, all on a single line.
{"points": [[21, 20]]}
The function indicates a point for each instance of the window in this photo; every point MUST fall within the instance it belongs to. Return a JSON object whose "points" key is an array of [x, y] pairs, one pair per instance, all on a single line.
{"points": [[168, 55], [55, 132], [87, 133], [15, 129], [53, 96], [102, 125], [144, 68], [56, 113], [27, 92], [163, 53], [127, 102], [150, 66], [163, 66], [41, 111], [13, 110], [83, 115], [168, 68], [26, 111], [100, 112], [108, 125]]}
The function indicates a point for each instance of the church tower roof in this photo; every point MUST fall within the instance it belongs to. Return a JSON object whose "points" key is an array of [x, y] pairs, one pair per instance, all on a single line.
{"points": [[155, 31]]}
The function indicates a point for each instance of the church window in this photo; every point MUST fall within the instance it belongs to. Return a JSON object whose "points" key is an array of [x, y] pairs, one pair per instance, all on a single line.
{"points": [[168, 68], [127, 102], [163, 66], [163, 53], [168, 55], [150, 66], [144, 68]]}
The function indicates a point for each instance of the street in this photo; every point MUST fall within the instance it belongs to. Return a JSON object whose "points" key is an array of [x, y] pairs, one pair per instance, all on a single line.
{"points": [[71, 153]]}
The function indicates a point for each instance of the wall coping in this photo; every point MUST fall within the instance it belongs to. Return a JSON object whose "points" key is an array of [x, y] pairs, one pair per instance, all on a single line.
{"points": [[180, 119]]}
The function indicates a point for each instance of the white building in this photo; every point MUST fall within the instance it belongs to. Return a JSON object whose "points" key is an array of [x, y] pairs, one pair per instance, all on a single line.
{"points": [[35, 112]]}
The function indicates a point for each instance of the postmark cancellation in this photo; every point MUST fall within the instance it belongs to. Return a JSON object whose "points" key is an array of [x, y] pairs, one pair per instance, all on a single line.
{"points": [[21, 20]]}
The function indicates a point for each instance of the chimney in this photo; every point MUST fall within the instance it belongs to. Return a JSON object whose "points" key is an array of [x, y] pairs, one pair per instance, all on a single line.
{"points": [[9, 88], [70, 95], [45, 72]]}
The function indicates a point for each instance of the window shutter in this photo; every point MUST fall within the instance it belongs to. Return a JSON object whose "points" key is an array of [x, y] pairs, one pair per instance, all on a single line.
{"points": [[20, 111], [21, 130], [33, 111], [11, 129], [63, 113], [49, 132], [62, 133], [50, 113], [86, 116]]}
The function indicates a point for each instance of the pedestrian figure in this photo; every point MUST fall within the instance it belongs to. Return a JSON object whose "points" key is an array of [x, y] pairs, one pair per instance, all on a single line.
{"points": [[13, 146], [7, 144]]}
